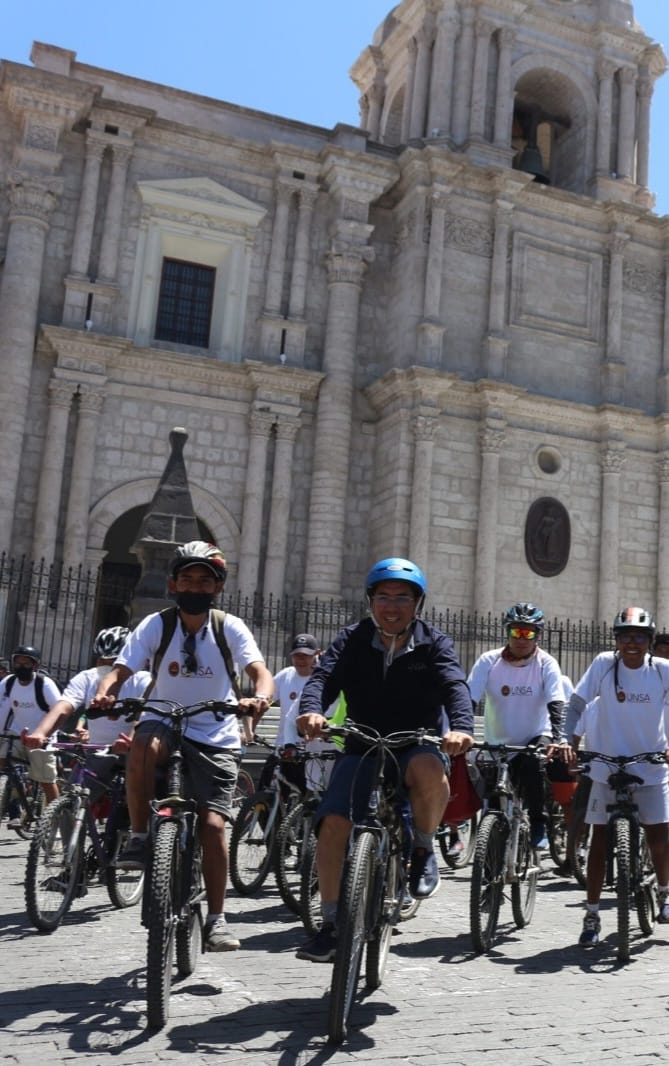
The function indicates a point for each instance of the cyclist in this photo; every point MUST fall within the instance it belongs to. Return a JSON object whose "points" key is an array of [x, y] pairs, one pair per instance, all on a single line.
{"points": [[629, 689], [522, 687], [78, 694], [193, 667], [396, 673], [25, 695], [661, 646]]}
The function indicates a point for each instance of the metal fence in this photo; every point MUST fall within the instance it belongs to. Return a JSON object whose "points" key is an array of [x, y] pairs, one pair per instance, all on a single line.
{"points": [[60, 611]]}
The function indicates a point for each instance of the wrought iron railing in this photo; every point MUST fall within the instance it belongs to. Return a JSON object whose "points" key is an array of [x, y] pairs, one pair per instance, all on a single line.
{"points": [[60, 610]]}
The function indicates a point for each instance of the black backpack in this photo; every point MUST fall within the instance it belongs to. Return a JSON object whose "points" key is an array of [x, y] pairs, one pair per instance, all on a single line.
{"points": [[217, 618]]}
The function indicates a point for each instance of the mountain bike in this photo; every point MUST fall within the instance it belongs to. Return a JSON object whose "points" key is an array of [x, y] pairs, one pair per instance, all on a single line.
{"points": [[20, 796], [172, 906], [628, 863], [375, 878], [255, 831], [503, 854], [77, 840], [296, 832]]}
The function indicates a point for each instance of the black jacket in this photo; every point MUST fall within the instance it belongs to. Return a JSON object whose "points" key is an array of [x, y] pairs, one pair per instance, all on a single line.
{"points": [[425, 687]]}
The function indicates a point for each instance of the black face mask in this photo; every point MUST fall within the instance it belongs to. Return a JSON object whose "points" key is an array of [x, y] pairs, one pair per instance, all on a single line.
{"points": [[23, 673], [194, 602]]}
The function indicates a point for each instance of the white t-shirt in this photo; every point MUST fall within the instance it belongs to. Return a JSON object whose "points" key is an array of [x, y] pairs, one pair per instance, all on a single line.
{"points": [[20, 710], [629, 726], [516, 697], [211, 682], [80, 690], [288, 686]]}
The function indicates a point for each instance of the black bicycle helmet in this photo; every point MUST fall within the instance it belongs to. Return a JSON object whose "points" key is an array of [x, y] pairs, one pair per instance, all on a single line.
{"points": [[199, 553], [634, 618], [524, 614], [29, 651], [108, 643]]}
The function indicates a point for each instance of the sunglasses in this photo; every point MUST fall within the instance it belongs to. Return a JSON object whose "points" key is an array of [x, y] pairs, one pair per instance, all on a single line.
{"points": [[190, 661], [518, 632], [633, 638]]}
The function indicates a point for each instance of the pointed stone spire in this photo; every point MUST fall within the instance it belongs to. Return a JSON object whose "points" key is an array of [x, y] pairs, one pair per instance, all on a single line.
{"points": [[169, 521]]}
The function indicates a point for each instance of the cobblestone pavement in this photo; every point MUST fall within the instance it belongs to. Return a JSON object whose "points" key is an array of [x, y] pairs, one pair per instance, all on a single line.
{"points": [[78, 994]]}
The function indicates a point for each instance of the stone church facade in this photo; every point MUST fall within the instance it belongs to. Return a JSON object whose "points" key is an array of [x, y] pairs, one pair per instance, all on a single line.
{"points": [[441, 334]]}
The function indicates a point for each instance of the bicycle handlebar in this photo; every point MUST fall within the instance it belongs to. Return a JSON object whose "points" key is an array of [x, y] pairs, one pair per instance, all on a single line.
{"points": [[132, 708], [367, 735], [654, 757]]}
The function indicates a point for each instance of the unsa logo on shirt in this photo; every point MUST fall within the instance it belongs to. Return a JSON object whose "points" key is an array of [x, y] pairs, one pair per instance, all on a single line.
{"points": [[517, 690], [174, 670]]}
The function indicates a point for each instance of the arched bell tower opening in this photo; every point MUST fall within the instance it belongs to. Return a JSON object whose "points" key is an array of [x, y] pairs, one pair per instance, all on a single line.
{"points": [[550, 130]]}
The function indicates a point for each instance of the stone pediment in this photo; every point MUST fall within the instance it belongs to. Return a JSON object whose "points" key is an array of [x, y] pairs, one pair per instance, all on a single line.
{"points": [[199, 195]]}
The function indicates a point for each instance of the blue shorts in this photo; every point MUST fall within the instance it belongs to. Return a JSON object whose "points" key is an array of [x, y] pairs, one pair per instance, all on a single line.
{"points": [[351, 781]]}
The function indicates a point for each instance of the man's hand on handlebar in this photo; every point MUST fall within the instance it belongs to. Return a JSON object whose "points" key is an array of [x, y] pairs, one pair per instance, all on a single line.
{"points": [[311, 726], [456, 743], [34, 740]]}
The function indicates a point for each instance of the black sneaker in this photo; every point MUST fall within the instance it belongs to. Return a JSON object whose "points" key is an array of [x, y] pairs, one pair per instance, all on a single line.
{"points": [[133, 855], [592, 926], [538, 838], [424, 878], [321, 947]]}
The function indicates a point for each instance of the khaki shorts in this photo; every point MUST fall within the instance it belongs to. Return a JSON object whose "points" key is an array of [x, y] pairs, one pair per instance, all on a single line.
{"points": [[43, 765]]}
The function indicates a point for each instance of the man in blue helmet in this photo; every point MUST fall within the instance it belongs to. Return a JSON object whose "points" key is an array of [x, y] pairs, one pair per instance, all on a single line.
{"points": [[396, 672]]}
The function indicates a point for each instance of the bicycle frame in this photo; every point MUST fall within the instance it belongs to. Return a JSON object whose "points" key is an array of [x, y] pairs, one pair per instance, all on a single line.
{"points": [[84, 815], [17, 773], [506, 803]]}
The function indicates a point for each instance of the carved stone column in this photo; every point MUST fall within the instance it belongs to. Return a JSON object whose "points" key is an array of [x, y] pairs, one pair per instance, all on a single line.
{"points": [[76, 521], [277, 257], [31, 202], [51, 472], [420, 84], [431, 330], [332, 435], [260, 428], [412, 52], [605, 72], [83, 233], [662, 609], [499, 291], [375, 98], [612, 462], [463, 76], [613, 377], [491, 439], [483, 33], [441, 86], [643, 133], [298, 281], [111, 234], [424, 428], [627, 123], [277, 543], [504, 101]]}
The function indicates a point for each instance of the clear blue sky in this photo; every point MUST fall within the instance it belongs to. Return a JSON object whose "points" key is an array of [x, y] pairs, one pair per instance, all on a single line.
{"points": [[288, 57]]}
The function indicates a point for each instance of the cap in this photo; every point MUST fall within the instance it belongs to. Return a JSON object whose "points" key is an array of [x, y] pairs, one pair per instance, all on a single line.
{"points": [[305, 643]]}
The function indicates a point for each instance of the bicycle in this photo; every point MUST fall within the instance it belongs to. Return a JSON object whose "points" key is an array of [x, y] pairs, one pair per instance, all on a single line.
{"points": [[503, 853], [628, 864], [254, 836], [18, 788], [172, 905], [466, 835], [375, 875], [60, 866]]}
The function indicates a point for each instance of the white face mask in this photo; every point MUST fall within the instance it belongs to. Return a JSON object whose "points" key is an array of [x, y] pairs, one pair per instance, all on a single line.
{"points": [[102, 671]]}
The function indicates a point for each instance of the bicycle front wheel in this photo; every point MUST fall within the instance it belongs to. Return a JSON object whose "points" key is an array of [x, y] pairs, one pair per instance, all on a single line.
{"points": [[557, 838], [352, 919], [163, 892], [310, 896], [524, 889], [487, 882], [466, 837], [292, 842], [621, 842], [250, 848], [578, 848], [4, 795], [125, 887], [52, 879], [645, 889], [244, 788], [390, 894]]}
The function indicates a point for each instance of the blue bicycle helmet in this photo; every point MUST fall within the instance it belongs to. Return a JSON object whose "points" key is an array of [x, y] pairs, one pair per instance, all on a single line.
{"points": [[524, 614], [396, 570]]}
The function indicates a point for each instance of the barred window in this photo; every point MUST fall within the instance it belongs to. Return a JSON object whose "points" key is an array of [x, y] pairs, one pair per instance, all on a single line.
{"points": [[185, 303]]}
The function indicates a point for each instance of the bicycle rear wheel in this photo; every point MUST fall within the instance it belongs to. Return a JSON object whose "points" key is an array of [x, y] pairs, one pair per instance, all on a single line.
{"points": [[578, 848], [51, 880], [352, 920], [290, 852], [125, 887], [250, 850], [190, 926], [524, 890], [4, 794], [310, 897], [35, 804], [487, 883], [244, 788], [467, 837], [557, 838], [644, 896], [161, 922], [621, 842], [390, 894]]}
